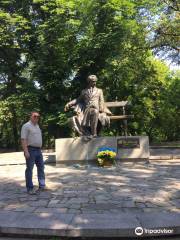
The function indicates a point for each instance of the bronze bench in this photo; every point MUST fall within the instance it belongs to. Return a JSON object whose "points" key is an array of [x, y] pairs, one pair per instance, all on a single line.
{"points": [[123, 116]]}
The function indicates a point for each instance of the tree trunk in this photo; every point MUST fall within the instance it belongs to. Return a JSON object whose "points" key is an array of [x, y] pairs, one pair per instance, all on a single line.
{"points": [[15, 130]]}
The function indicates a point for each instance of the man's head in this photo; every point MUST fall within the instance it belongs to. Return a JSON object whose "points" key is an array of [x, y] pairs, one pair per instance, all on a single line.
{"points": [[92, 79], [34, 117]]}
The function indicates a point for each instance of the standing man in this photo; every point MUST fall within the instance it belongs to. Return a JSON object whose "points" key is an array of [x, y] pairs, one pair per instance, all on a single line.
{"points": [[31, 139]]}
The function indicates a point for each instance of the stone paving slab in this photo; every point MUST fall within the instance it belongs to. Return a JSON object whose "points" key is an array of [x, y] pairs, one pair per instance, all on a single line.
{"points": [[103, 225], [43, 224], [123, 197], [169, 223], [160, 220], [87, 225]]}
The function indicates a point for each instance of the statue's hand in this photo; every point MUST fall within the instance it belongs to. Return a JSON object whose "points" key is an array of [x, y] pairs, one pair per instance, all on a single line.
{"points": [[66, 108]]}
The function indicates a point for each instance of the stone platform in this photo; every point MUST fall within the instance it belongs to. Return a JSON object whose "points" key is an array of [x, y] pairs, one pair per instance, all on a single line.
{"points": [[88, 201], [82, 148]]}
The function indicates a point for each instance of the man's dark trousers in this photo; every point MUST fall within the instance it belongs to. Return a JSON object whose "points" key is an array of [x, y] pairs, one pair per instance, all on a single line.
{"points": [[35, 158]]}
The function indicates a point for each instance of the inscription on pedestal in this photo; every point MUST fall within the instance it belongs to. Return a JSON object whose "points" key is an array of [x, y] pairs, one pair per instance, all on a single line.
{"points": [[128, 143]]}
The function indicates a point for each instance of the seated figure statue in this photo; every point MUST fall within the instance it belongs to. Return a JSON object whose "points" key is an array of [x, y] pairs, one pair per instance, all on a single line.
{"points": [[91, 112]]}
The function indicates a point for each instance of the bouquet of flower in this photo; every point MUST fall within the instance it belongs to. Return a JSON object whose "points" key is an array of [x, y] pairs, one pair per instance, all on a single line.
{"points": [[106, 155]]}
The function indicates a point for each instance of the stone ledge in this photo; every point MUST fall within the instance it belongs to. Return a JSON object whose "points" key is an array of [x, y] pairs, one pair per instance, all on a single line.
{"points": [[161, 157], [34, 224], [86, 225]]}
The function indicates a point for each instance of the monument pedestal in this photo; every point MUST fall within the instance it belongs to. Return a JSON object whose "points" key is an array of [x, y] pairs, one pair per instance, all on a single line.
{"points": [[81, 149]]}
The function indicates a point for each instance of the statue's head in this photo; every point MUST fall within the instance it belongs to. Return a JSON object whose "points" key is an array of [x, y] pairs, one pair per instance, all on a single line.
{"points": [[92, 79]]}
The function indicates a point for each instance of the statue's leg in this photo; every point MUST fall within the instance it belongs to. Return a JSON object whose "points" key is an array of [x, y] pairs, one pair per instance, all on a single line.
{"points": [[94, 121], [99, 128], [75, 125]]}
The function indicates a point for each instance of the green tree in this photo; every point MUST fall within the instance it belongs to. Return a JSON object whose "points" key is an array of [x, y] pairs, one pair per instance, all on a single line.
{"points": [[48, 47], [14, 36], [166, 30]]}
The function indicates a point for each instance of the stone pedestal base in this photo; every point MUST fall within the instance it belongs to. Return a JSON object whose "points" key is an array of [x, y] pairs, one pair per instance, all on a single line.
{"points": [[82, 149]]}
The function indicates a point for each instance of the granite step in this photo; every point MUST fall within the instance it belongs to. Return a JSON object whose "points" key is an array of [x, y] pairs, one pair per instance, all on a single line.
{"points": [[90, 225]]}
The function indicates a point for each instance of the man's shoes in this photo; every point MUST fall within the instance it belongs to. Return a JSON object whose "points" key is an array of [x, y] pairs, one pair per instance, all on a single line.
{"points": [[43, 189], [32, 192]]}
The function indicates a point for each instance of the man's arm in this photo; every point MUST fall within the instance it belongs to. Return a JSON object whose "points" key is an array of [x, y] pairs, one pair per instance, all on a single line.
{"points": [[24, 135], [25, 148]]}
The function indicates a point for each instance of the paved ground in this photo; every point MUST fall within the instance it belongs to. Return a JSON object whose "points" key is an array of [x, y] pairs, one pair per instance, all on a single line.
{"points": [[84, 200]]}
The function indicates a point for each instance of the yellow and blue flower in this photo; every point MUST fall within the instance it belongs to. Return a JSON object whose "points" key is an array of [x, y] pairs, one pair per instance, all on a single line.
{"points": [[106, 154]]}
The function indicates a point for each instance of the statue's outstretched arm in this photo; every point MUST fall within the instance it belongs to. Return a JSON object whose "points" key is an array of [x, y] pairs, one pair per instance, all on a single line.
{"points": [[72, 103]]}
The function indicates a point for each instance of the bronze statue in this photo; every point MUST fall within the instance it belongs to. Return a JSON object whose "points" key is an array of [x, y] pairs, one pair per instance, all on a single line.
{"points": [[91, 112]]}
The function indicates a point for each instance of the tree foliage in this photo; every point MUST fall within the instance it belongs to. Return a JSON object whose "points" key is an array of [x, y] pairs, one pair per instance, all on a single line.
{"points": [[48, 47], [167, 32]]}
